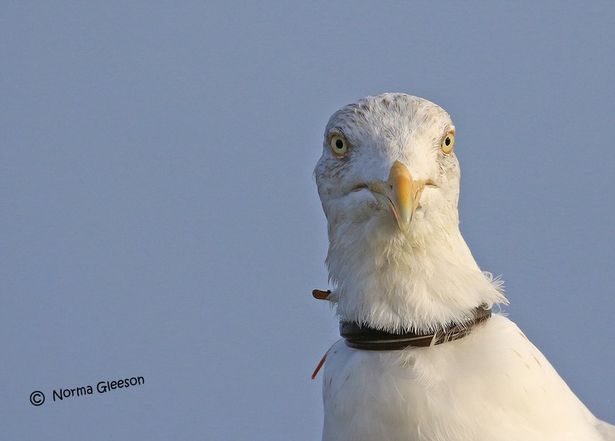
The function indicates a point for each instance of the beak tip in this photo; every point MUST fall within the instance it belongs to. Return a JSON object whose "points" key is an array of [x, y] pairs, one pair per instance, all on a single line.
{"points": [[404, 221], [403, 218]]}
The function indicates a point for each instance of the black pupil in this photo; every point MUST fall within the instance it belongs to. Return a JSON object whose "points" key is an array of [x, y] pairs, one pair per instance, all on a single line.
{"points": [[339, 144], [447, 141]]}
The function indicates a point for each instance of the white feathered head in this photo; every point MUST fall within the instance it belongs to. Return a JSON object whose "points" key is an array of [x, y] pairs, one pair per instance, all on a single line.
{"points": [[388, 162]]}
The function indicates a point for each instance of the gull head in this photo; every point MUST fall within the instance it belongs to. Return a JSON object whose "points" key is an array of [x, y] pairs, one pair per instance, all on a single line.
{"points": [[388, 166]]}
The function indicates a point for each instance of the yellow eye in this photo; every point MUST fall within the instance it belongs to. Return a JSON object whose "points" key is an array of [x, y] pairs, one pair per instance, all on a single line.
{"points": [[448, 142], [338, 145]]}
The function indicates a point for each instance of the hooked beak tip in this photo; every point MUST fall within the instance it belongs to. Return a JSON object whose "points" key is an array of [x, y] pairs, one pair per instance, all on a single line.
{"points": [[402, 194]]}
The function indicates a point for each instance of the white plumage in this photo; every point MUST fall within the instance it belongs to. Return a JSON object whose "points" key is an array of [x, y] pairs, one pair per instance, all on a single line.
{"points": [[398, 262]]}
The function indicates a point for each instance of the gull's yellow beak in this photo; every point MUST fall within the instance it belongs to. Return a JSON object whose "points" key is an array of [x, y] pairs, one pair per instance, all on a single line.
{"points": [[402, 193]]}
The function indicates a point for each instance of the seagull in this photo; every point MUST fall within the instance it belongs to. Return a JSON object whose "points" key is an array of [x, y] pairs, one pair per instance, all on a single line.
{"points": [[425, 354]]}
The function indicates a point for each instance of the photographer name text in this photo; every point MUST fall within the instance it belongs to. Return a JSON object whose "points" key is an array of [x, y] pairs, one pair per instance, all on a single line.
{"points": [[37, 398]]}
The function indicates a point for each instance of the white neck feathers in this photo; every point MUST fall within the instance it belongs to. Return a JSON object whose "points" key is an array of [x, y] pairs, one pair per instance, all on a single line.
{"points": [[392, 282]]}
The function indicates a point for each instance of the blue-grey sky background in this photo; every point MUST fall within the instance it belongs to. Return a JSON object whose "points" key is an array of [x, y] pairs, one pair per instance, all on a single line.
{"points": [[159, 215]]}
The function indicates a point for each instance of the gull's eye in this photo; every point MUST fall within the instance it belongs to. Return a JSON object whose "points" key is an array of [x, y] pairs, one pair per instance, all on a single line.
{"points": [[448, 142], [338, 145]]}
